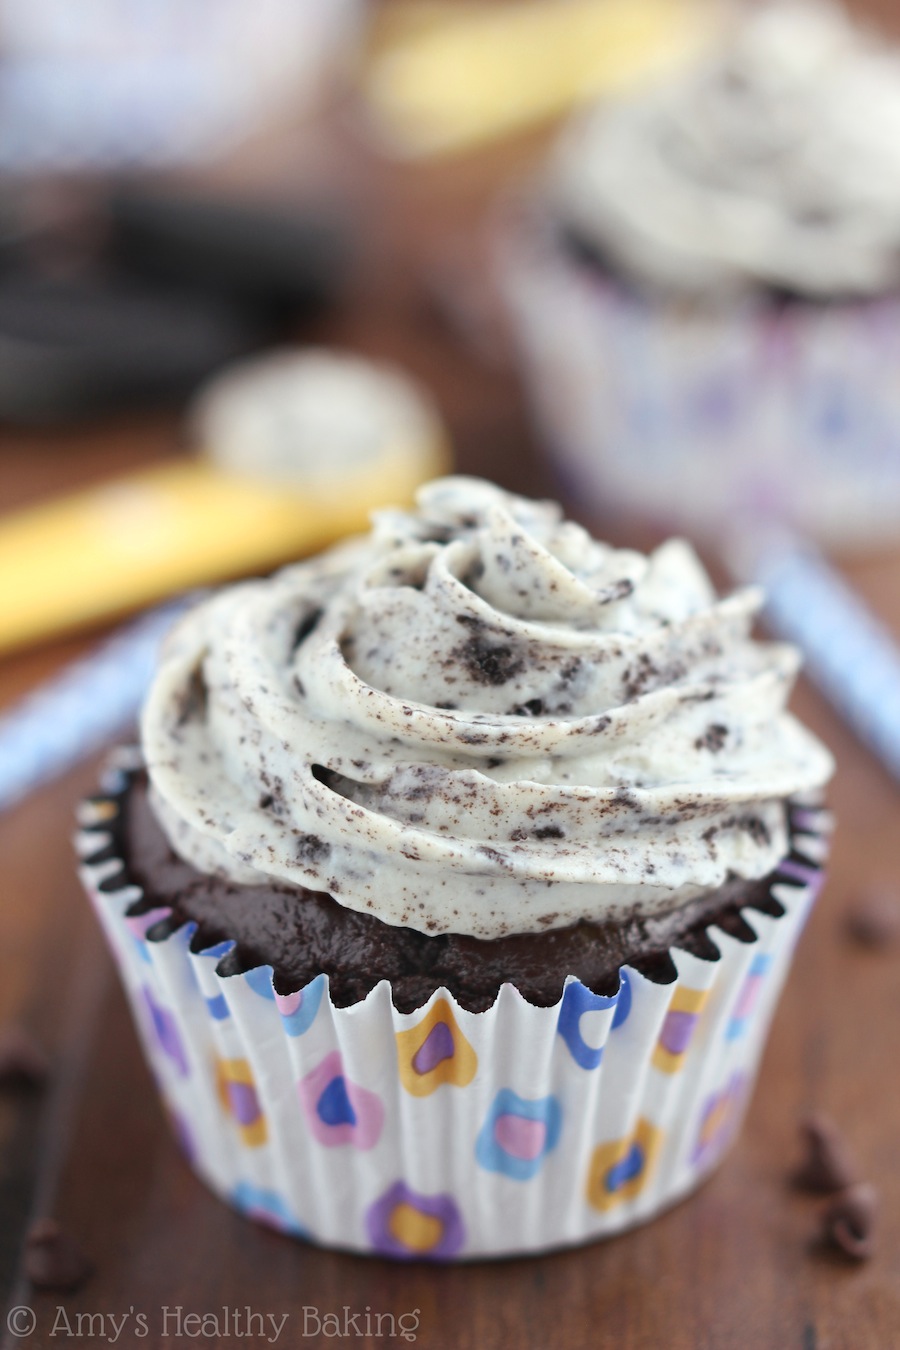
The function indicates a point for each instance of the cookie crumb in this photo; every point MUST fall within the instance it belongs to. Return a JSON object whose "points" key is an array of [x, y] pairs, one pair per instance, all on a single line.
{"points": [[848, 1222], [874, 921], [52, 1259], [23, 1063], [828, 1165]]}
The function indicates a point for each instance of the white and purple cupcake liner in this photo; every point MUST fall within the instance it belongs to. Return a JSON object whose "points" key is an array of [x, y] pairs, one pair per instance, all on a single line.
{"points": [[696, 415], [444, 1134]]}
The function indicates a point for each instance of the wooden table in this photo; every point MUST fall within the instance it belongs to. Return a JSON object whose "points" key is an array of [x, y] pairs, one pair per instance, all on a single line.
{"points": [[734, 1267]]}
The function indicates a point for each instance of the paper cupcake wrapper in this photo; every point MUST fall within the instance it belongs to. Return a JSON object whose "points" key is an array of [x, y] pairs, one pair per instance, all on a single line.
{"points": [[692, 416], [446, 1134]]}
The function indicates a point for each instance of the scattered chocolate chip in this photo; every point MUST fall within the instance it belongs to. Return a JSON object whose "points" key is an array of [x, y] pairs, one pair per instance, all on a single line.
{"points": [[848, 1222], [828, 1165], [23, 1063], [52, 1260], [874, 921]]}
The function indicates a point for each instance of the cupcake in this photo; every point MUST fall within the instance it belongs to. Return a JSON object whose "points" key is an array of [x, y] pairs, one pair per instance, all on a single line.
{"points": [[705, 286], [456, 877]]}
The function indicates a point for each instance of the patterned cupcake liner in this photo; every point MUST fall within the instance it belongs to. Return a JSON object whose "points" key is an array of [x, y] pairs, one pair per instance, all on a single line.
{"points": [[694, 415], [444, 1134]]}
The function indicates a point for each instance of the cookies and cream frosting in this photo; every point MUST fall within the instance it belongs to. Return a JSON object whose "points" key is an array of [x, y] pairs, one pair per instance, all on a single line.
{"points": [[775, 162], [479, 719]]}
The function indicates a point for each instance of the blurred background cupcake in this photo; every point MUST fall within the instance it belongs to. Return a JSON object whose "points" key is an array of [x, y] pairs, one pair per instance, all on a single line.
{"points": [[126, 85], [704, 286]]}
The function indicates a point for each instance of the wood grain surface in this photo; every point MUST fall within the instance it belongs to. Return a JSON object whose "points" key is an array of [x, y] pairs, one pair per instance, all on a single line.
{"points": [[737, 1265]]}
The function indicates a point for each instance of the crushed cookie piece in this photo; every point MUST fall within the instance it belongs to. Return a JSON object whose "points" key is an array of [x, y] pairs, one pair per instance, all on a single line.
{"points": [[848, 1222], [828, 1164], [874, 920], [23, 1063], [713, 738], [52, 1260]]}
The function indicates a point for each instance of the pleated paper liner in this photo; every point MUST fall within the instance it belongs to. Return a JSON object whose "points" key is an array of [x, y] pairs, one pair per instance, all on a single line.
{"points": [[444, 1134]]}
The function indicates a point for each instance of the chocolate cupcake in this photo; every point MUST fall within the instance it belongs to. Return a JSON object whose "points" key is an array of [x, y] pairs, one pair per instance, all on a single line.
{"points": [[705, 285], [456, 878]]}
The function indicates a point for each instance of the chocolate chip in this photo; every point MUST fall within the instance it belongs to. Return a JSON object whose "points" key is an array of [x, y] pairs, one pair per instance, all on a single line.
{"points": [[828, 1165], [874, 921], [23, 1063], [52, 1260], [848, 1222]]}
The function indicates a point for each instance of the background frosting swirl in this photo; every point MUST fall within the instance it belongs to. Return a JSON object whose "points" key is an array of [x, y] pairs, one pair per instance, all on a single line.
{"points": [[478, 719], [777, 161]]}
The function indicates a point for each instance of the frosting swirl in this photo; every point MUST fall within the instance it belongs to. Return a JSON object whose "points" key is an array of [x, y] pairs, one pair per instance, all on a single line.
{"points": [[479, 719], [776, 161]]}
